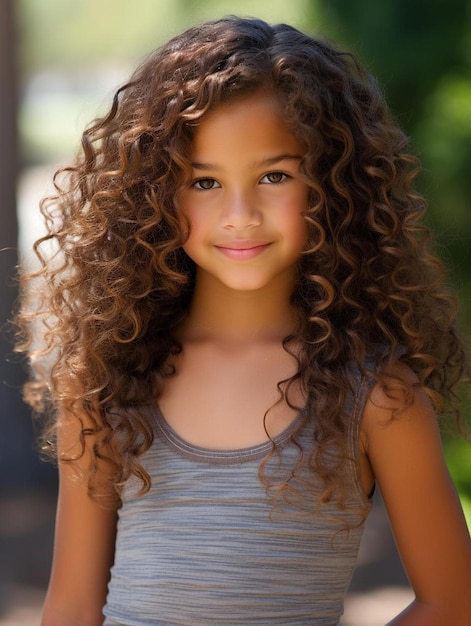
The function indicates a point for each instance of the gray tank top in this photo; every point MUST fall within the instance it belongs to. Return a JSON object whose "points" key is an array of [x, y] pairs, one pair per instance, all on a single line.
{"points": [[205, 545]]}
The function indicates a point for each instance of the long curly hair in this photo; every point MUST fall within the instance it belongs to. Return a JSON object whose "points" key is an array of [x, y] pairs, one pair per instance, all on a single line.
{"points": [[115, 282]]}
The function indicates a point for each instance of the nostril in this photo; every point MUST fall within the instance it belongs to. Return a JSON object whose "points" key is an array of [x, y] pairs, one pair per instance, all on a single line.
{"points": [[241, 213]]}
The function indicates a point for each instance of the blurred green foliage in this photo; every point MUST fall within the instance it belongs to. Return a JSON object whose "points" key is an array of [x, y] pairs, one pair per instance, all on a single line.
{"points": [[411, 46], [73, 53], [458, 458], [79, 33], [419, 50], [459, 461], [421, 53]]}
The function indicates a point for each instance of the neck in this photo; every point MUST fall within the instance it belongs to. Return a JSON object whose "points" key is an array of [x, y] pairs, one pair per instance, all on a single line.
{"points": [[221, 314]]}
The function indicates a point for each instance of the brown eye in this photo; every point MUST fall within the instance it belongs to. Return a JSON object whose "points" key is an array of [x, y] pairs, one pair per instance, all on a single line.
{"points": [[273, 178], [205, 184]]}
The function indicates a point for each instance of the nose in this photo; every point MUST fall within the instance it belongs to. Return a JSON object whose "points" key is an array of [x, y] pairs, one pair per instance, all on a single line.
{"points": [[240, 211]]}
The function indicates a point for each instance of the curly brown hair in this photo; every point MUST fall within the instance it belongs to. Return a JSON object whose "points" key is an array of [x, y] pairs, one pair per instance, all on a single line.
{"points": [[118, 282]]}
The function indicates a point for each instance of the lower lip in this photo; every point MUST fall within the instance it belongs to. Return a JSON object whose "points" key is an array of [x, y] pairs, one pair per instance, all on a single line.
{"points": [[242, 254]]}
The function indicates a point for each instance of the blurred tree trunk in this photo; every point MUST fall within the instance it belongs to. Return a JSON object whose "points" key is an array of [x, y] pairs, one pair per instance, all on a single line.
{"points": [[8, 149], [19, 466]]}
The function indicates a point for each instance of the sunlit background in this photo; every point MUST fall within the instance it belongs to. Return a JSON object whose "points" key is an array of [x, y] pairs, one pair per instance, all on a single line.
{"points": [[61, 61]]}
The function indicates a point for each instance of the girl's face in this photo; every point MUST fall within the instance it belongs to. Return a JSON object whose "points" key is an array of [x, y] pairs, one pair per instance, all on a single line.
{"points": [[246, 200]]}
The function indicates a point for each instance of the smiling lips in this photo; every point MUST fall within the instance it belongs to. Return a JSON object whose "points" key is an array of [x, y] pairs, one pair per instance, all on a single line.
{"points": [[241, 250]]}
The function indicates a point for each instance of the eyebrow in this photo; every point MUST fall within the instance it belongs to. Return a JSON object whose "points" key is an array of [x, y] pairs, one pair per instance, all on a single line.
{"points": [[263, 163]]}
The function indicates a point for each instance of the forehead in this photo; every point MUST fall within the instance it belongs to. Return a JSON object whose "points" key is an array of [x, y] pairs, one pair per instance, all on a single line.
{"points": [[252, 122]]}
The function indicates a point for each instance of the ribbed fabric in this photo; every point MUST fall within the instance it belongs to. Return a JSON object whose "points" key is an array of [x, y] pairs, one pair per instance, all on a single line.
{"points": [[205, 546]]}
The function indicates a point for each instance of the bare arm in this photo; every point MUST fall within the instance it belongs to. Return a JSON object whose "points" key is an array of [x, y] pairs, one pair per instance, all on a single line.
{"points": [[83, 554], [424, 510]]}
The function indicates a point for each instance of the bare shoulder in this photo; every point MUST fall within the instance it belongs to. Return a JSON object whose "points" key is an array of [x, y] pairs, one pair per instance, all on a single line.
{"points": [[397, 406], [402, 442], [397, 390]]}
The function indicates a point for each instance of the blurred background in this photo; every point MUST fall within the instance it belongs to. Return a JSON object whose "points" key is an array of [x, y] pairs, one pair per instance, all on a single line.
{"points": [[60, 62]]}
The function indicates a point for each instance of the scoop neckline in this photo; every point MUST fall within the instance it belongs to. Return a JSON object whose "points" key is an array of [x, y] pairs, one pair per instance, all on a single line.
{"points": [[218, 456]]}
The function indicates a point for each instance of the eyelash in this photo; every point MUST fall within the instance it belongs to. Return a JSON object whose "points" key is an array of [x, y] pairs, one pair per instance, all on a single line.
{"points": [[284, 178], [197, 183]]}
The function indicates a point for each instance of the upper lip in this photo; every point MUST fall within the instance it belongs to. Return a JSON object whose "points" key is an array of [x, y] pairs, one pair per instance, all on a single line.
{"points": [[242, 244]]}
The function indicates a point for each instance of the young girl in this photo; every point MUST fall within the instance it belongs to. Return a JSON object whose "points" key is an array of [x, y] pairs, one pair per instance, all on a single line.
{"points": [[244, 332]]}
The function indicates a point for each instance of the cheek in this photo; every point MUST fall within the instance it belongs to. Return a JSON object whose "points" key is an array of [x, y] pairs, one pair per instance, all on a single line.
{"points": [[300, 234], [296, 224], [193, 227], [186, 216]]}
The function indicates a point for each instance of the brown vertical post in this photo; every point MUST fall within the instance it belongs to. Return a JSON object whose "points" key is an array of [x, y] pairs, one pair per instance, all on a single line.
{"points": [[19, 466]]}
